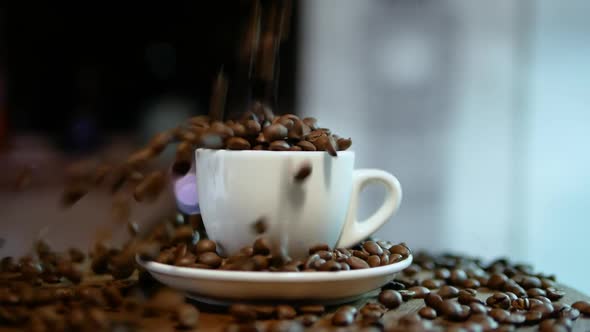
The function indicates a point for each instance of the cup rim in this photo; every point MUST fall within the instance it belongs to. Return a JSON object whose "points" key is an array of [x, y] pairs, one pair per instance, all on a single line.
{"points": [[267, 152]]}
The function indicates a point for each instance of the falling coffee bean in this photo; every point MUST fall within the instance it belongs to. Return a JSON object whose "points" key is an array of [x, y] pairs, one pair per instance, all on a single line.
{"points": [[260, 226], [303, 172], [150, 187]]}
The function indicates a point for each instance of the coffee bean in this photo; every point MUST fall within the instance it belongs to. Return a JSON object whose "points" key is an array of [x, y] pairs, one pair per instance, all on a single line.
{"points": [[285, 326], [583, 307], [242, 312], [264, 311], [554, 294], [187, 316], [279, 145], [521, 304], [243, 327], [427, 313], [407, 294], [205, 245], [183, 233], [499, 315], [374, 261], [400, 249], [330, 266], [314, 309], [433, 300], [237, 143], [471, 283], [372, 248], [499, 300], [343, 143], [419, 291], [113, 296], [496, 281], [275, 132], [466, 298], [211, 140], [477, 308], [569, 313], [545, 308], [451, 310], [356, 263], [458, 276], [447, 292], [532, 292], [303, 172], [533, 317], [344, 316], [308, 319], [511, 286], [390, 298], [210, 258], [412, 270], [284, 311], [306, 146], [432, 283], [361, 254], [487, 323]]}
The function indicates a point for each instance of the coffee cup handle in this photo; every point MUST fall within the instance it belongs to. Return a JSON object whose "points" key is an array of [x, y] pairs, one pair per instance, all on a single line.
{"points": [[354, 230]]}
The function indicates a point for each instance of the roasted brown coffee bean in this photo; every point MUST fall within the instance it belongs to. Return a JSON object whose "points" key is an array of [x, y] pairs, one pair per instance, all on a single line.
{"points": [[427, 313], [569, 313], [511, 286], [285, 326], [183, 160], [361, 254], [546, 309], [284, 311], [275, 132], [150, 187], [533, 317], [260, 262], [466, 298], [496, 281], [442, 273], [499, 300], [343, 143], [432, 283], [487, 323], [211, 140], [521, 304], [471, 283], [407, 294], [330, 266], [183, 233], [303, 172], [242, 312], [390, 298], [252, 127], [159, 142], [395, 285], [260, 226], [583, 307], [531, 282], [532, 292], [344, 316], [76, 318], [451, 310], [546, 283], [458, 276], [308, 319], [511, 296], [237, 143], [412, 270], [447, 292], [279, 146], [374, 261], [205, 245], [264, 311], [243, 327], [314, 309], [318, 247], [261, 246], [306, 146], [187, 316], [477, 308], [372, 248], [433, 300], [419, 291], [239, 130], [356, 263], [499, 315], [554, 294], [210, 258]]}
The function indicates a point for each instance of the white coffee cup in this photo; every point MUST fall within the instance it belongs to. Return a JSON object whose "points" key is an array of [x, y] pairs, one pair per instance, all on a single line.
{"points": [[237, 188]]}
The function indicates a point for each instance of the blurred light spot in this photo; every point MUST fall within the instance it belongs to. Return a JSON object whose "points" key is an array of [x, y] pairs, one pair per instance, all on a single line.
{"points": [[407, 59], [161, 58]]}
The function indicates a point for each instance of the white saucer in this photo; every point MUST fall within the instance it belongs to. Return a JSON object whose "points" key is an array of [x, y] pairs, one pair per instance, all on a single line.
{"points": [[221, 287]]}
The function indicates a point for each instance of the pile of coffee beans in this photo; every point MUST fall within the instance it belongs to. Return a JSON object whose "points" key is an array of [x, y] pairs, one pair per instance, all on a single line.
{"points": [[259, 257]]}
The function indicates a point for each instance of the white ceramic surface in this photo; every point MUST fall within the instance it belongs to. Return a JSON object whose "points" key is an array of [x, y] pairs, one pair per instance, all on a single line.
{"points": [[236, 188], [222, 287]]}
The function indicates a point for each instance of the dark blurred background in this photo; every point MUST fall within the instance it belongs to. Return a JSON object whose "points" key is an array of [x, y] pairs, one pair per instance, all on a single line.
{"points": [[76, 74], [479, 108]]}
